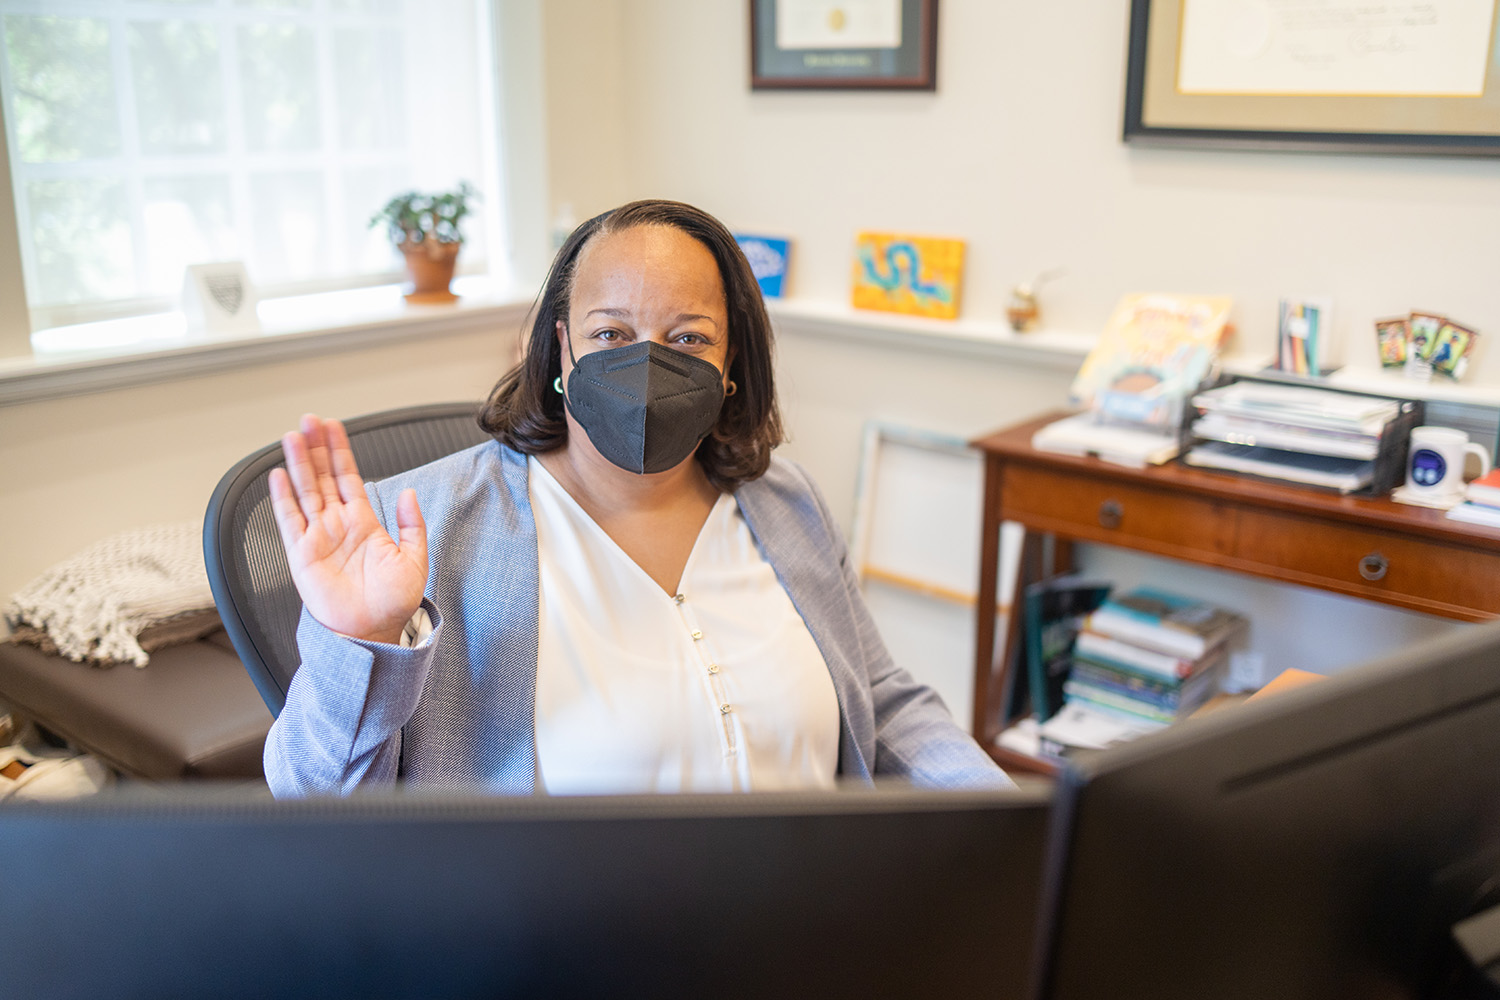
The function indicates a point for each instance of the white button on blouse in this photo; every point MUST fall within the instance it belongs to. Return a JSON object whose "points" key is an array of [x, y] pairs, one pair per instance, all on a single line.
{"points": [[719, 687]]}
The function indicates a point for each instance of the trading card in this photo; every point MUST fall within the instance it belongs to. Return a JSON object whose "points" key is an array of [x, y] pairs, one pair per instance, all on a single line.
{"points": [[1391, 336], [1452, 347], [1424, 327]]}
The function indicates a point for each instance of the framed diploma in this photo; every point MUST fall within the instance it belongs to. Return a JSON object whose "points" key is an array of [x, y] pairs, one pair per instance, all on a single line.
{"points": [[1398, 76], [843, 44]]}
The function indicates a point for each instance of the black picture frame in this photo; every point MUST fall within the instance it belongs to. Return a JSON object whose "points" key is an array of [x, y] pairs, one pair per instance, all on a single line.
{"points": [[1157, 113], [910, 66]]}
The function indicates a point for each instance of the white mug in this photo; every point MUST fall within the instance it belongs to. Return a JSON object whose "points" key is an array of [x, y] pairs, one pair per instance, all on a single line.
{"points": [[1435, 461]]}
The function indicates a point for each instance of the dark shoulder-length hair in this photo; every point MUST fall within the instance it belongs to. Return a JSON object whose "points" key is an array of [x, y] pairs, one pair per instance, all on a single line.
{"points": [[525, 412]]}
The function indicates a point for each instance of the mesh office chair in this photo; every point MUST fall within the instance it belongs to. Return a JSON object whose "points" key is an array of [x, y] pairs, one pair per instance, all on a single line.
{"points": [[247, 568]]}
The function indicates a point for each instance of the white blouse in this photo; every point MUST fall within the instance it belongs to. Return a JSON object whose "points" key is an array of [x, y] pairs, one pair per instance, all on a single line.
{"points": [[717, 688]]}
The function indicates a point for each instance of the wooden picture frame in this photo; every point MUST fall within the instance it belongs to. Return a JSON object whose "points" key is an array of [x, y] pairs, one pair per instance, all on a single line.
{"points": [[819, 45], [1310, 94]]}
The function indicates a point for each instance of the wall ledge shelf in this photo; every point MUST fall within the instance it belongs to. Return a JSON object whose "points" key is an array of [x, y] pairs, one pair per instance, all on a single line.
{"points": [[989, 339], [1065, 350]]}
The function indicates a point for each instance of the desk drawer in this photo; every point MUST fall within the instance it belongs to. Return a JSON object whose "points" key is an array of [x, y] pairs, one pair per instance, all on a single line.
{"points": [[1404, 569], [1089, 508]]}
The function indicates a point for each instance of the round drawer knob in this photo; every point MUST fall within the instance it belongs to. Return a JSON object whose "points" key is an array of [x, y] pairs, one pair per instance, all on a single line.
{"points": [[1111, 513], [1373, 566]]}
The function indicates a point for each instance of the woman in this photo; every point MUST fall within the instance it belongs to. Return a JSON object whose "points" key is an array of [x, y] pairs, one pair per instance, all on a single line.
{"points": [[625, 591]]}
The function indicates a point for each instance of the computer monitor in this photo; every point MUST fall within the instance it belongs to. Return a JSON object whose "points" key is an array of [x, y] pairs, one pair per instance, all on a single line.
{"points": [[887, 893], [1319, 843]]}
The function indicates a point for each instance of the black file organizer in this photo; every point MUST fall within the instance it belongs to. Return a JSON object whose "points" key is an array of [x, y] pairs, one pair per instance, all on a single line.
{"points": [[1390, 456], [1390, 459]]}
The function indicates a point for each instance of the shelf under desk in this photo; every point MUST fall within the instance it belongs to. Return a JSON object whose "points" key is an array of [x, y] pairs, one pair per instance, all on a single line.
{"points": [[1373, 548]]}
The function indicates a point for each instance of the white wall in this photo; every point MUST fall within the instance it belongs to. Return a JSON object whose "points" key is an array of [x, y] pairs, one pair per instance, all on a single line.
{"points": [[80, 469], [1018, 152], [588, 135]]}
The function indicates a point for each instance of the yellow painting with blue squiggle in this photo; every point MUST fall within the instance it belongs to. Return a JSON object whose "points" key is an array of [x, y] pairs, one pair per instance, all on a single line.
{"points": [[917, 275]]}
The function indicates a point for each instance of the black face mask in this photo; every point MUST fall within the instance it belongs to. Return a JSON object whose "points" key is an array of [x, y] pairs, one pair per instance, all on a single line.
{"points": [[645, 407]]}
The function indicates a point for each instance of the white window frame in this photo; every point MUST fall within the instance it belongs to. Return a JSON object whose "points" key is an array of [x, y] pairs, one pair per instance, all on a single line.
{"points": [[236, 163], [521, 199]]}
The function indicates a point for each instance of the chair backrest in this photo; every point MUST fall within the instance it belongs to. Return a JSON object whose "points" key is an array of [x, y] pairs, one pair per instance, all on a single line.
{"points": [[247, 568]]}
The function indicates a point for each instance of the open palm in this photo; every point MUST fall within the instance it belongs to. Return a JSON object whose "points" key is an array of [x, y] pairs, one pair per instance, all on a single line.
{"points": [[349, 572]]}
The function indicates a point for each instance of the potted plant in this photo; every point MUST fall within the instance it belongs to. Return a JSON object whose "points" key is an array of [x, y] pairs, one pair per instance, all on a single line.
{"points": [[425, 228]]}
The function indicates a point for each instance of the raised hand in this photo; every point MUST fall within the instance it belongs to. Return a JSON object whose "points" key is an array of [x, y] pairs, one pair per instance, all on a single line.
{"points": [[352, 577]]}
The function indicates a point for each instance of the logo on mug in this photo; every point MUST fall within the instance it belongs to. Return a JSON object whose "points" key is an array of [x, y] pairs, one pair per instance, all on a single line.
{"points": [[1427, 467]]}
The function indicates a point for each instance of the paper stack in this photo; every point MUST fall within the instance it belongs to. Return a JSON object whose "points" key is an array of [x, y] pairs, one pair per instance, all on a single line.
{"points": [[1293, 433]]}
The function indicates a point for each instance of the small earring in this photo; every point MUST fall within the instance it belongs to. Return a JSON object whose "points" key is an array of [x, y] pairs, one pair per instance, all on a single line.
{"points": [[557, 385], [731, 389]]}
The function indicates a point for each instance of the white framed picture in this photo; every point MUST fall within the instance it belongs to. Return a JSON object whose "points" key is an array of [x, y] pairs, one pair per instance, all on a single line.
{"points": [[219, 298]]}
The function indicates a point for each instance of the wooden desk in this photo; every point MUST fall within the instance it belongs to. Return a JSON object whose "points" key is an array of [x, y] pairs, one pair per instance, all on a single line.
{"points": [[1411, 557]]}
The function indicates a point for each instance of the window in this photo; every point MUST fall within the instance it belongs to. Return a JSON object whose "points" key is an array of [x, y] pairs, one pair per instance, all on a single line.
{"points": [[146, 135]]}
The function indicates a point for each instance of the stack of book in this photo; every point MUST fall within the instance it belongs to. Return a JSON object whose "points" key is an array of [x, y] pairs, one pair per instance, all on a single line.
{"points": [[1150, 657], [1481, 503], [1293, 433]]}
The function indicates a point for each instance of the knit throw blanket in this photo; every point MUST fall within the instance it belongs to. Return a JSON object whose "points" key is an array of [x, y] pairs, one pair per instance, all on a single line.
{"points": [[95, 606]]}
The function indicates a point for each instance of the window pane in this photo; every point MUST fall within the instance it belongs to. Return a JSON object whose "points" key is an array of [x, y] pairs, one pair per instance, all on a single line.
{"points": [[366, 189], [289, 227], [368, 68], [367, 6], [80, 234], [63, 98], [189, 220], [279, 74], [158, 133], [179, 89]]}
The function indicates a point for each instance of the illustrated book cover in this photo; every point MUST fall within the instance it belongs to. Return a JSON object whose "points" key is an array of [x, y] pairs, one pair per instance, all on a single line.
{"points": [[1155, 352]]}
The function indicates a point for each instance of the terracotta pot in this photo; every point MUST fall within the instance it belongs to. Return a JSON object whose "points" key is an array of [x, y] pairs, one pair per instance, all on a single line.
{"points": [[430, 265]]}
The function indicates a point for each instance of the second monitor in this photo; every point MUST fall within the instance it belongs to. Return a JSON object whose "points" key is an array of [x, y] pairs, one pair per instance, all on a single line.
{"points": [[1319, 844]]}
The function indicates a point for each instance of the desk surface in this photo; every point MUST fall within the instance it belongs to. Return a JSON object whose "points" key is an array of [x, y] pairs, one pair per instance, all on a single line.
{"points": [[1014, 444], [1366, 547]]}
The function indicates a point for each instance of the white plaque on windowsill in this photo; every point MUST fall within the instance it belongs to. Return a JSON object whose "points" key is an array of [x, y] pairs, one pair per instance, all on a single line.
{"points": [[219, 298]]}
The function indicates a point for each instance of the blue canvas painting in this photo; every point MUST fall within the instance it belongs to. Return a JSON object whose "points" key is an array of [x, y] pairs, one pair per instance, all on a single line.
{"points": [[768, 258]]}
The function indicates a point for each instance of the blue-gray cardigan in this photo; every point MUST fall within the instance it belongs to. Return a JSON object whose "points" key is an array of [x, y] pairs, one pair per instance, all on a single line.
{"points": [[460, 709]]}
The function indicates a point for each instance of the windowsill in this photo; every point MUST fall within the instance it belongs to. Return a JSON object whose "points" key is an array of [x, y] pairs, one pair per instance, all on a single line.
{"points": [[98, 356]]}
